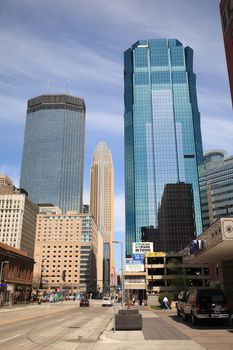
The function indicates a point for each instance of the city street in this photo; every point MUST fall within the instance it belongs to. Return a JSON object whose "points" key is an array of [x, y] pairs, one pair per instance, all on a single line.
{"points": [[52, 326], [67, 326]]}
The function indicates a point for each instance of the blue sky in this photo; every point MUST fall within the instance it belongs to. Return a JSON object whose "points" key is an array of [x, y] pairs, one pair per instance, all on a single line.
{"points": [[83, 41]]}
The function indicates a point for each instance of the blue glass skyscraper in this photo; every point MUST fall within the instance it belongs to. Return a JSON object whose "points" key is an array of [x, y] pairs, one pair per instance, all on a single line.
{"points": [[162, 131], [53, 153]]}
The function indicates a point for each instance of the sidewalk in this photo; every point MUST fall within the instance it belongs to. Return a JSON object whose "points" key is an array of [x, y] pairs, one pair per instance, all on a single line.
{"points": [[156, 334]]}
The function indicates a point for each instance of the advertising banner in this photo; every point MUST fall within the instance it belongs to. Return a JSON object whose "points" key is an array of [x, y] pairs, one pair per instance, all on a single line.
{"points": [[142, 247]]}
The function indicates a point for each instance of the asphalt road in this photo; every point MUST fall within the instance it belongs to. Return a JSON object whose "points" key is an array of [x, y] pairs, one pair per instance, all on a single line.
{"points": [[66, 326], [53, 326]]}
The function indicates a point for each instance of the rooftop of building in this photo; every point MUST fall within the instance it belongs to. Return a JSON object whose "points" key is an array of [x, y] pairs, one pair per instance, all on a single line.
{"points": [[10, 190], [217, 161], [8, 248], [55, 100], [157, 42]]}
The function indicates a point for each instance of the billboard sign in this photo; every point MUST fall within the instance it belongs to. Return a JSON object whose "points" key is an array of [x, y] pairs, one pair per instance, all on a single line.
{"points": [[134, 267], [142, 247]]}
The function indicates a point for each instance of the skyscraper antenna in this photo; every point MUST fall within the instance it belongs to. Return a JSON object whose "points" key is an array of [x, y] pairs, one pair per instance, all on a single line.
{"points": [[67, 87]]}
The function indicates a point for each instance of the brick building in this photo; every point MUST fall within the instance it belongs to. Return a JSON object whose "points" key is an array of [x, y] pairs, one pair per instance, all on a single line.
{"points": [[68, 252], [17, 275]]}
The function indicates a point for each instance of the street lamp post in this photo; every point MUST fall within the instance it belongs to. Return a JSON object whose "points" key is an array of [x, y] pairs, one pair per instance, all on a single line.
{"points": [[1, 271], [122, 274], [197, 273]]}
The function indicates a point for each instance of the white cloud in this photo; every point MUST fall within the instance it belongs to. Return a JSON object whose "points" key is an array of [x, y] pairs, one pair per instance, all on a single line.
{"points": [[216, 119], [212, 102], [13, 108], [217, 133], [36, 57], [100, 120]]}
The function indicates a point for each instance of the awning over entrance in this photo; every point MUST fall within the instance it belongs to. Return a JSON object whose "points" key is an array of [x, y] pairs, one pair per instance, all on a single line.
{"points": [[216, 243]]}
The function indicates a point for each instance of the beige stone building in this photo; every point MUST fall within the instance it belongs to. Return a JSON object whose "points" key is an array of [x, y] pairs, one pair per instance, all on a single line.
{"points": [[102, 203], [6, 184], [68, 252], [17, 219]]}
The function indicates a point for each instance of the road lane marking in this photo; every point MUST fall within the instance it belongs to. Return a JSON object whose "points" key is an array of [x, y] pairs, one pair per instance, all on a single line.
{"points": [[35, 316], [14, 336]]}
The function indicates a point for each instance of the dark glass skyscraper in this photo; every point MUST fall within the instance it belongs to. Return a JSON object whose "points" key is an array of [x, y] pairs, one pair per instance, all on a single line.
{"points": [[162, 131], [53, 153]]}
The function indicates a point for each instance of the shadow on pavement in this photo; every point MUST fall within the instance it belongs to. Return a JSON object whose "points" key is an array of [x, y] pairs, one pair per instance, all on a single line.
{"points": [[204, 324]]}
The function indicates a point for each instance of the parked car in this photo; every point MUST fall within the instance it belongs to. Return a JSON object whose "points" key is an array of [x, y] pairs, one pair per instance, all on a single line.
{"points": [[181, 299], [107, 301], [205, 304], [84, 302]]}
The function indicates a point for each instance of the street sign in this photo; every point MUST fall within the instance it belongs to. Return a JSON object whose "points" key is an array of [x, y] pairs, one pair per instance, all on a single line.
{"points": [[135, 262], [10, 287], [138, 257]]}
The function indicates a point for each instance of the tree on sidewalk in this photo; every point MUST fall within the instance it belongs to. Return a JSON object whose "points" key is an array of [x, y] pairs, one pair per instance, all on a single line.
{"points": [[175, 268]]}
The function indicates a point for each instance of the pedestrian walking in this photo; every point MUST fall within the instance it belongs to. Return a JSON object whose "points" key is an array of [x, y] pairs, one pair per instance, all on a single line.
{"points": [[165, 303]]}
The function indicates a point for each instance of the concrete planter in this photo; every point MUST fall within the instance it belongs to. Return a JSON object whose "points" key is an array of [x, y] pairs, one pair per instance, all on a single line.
{"points": [[128, 320]]}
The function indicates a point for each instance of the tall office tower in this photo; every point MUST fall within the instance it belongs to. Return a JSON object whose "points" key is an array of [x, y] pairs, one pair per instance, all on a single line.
{"points": [[102, 202], [18, 220], [68, 251], [53, 153], [219, 176], [226, 11], [162, 131]]}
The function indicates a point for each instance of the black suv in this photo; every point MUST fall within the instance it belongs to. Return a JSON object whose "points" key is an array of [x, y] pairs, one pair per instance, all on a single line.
{"points": [[205, 304], [181, 299]]}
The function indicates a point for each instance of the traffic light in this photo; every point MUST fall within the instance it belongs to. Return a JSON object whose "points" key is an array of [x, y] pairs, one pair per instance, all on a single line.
{"points": [[64, 275]]}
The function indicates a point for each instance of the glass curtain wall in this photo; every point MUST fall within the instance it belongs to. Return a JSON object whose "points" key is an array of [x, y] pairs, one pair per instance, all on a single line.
{"points": [[53, 154], [162, 131]]}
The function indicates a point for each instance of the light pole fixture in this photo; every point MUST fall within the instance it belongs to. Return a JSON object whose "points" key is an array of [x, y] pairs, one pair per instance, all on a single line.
{"points": [[1, 271], [122, 274], [197, 273]]}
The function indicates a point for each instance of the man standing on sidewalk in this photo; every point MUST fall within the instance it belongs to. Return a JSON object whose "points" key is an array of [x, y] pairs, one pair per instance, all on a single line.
{"points": [[165, 303]]}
